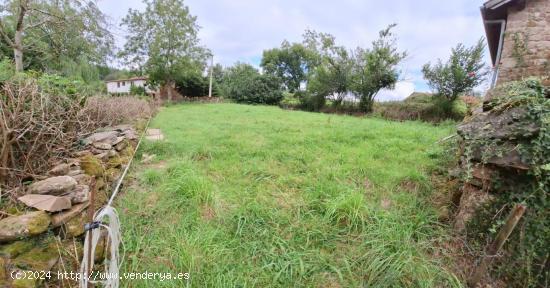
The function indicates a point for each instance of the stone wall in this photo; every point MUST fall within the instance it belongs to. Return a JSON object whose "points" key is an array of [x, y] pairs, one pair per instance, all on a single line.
{"points": [[46, 221], [531, 26]]}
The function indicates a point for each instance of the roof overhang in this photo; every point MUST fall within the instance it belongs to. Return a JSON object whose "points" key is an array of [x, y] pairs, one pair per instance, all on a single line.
{"points": [[493, 11]]}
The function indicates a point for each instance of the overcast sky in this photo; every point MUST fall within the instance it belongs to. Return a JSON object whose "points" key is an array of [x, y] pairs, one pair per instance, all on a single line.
{"points": [[239, 30]]}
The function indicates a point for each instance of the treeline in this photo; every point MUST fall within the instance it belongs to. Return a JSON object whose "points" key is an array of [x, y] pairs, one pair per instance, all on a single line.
{"points": [[317, 72]]}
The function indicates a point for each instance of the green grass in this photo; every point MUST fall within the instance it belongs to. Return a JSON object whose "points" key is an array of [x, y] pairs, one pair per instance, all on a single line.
{"points": [[254, 196]]}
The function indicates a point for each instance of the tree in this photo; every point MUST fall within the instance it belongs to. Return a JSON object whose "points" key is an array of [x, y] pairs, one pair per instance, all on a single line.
{"points": [[244, 84], [376, 68], [332, 76], [463, 71], [163, 39], [55, 33], [290, 63]]}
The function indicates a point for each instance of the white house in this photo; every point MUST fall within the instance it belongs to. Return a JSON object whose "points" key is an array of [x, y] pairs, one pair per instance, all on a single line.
{"points": [[122, 86]]}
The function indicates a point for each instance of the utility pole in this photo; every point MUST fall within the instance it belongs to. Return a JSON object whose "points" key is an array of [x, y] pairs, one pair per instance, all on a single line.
{"points": [[211, 68]]}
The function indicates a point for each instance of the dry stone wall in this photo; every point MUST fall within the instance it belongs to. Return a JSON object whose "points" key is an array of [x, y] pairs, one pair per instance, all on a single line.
{"points": [[56, 207]]}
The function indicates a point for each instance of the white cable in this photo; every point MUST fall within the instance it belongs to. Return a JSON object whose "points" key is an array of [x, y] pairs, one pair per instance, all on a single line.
{"points": [[110, 277], [108, 219]]}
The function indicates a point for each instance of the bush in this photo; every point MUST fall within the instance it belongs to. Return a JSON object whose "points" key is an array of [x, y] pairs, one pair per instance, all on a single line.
{"points": [[424, 107], [44, 117], [137, 90], [193, 85], [244, 84]]}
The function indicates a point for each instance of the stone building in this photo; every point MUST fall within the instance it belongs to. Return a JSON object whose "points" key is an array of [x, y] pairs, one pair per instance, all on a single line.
{"points": [[518, 36]]}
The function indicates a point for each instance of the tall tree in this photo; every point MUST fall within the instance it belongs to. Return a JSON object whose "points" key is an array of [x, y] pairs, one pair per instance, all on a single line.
{"points": [[291, 63], [55, 31], [376, 68], [464, 70], [163, 39]]}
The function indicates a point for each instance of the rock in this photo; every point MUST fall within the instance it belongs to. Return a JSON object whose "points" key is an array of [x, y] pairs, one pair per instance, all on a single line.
{"points": [[154, 134], [53, 185], [30, 224], [112, 153], [118, 140], [61, 169], [83, 153], [41, 258], [79, 194], [61, 218], [91, 165], [130, 135], [46, 202], [121, 145], [122, 127], [103, 156], [25, 282], [105, 137], [73, 173], [83, 179], [146, 158], [74, 227], [102, 145], [15, 249], [509, 124]]}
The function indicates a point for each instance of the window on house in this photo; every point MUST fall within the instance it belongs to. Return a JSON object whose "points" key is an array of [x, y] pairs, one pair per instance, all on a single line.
{"points": [[118, 84], [123, 83]]}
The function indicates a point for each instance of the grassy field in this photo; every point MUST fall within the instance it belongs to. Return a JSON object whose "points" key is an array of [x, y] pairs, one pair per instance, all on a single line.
{"points": [[254, 196]]}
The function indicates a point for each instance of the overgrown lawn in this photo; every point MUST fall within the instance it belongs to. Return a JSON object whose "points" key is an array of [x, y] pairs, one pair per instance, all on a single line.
{"points": [[254, 196]]}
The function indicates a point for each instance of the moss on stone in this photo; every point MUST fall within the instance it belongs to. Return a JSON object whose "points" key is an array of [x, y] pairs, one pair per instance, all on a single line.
{"points": [[24, 282], [112, 174], [115, 162], [37, 224], [40, 258], [91, 165], [15, 249]]}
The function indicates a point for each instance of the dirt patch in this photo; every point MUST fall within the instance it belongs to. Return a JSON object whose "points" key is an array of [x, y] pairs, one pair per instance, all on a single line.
{"points": [[160, 165], [409, 185], [367, 184], [207, 213]]}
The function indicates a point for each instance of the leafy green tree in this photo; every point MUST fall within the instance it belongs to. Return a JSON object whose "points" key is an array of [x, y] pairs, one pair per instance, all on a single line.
{"points": [[331, 78], [375, 68], [244, 84], [290, 62], [163, 40], [54, 35], [464, 70]]}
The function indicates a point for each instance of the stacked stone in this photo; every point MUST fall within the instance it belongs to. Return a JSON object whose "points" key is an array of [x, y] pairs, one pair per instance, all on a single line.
{"points": [[60, 201], [528, 28], [506, 129]]}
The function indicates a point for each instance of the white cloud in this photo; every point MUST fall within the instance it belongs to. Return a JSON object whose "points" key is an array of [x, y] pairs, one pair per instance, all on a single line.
{"points": [[239, 30], [401, 91]]}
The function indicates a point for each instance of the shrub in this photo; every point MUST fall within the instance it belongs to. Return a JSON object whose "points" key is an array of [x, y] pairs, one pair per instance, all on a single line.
{"points": [[42, 118], [244, 84], [424, 107], [106, 111], [464, 70], [137, 90], [193, 85]]}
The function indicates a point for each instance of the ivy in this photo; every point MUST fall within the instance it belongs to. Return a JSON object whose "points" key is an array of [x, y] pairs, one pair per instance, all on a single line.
{"points": [[526, 258]]}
